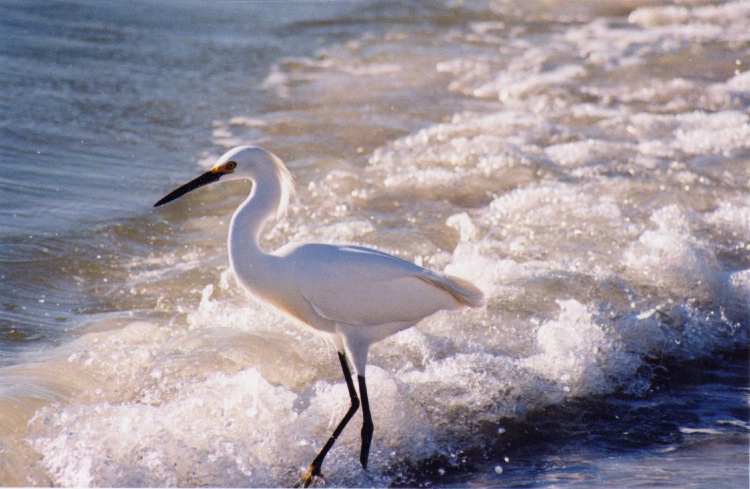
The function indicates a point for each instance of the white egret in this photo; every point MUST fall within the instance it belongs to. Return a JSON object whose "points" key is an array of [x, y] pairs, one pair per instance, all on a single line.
{"points": [[356, 295]]}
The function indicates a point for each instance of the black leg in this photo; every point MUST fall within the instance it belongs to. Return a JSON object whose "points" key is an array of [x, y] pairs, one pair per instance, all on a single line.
{"points": [[367, 426], [314, 470]]}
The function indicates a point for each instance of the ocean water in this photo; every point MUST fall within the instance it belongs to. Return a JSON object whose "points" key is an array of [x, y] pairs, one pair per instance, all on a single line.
{"points": [[587, 164]]}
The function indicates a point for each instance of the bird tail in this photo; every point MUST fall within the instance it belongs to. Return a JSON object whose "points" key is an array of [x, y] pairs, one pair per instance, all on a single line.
{"points": [[462, 290]]}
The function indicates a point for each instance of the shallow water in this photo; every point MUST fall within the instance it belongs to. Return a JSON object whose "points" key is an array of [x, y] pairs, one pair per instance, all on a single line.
{"points": [[586, 165]]}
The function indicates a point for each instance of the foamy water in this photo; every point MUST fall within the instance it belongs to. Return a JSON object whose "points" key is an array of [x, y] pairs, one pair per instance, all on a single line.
{"points": [[586, 166]]}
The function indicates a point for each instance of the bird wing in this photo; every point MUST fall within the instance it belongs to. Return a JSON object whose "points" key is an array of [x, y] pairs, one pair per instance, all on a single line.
{"points": [[360, 286]]}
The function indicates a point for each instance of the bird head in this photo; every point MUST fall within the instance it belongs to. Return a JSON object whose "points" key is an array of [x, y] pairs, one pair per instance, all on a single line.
{"points": [[240, 163]]}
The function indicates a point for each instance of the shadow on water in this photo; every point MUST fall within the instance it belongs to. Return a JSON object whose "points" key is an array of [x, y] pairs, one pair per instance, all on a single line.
{"points": [[691, 408]]}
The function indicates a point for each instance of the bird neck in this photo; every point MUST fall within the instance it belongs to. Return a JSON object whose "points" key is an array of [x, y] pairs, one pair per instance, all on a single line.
{"points": [[250, 217]]}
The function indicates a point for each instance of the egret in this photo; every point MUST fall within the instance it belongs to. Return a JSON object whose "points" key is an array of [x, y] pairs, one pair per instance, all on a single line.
{"points": [[356, 295]]}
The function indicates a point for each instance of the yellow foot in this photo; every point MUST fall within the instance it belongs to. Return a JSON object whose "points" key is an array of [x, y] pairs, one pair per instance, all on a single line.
{"points": [[312, 473]]}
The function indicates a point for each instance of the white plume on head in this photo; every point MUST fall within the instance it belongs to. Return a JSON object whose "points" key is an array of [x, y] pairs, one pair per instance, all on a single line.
{"points": [[286, 181]]}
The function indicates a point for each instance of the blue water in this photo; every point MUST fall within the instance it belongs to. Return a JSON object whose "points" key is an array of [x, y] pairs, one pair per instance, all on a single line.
{"points": [[100, 104], [587, 165]]}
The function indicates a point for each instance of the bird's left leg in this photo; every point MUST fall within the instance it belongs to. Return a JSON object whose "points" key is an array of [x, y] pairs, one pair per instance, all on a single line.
{"points": [[314, 470], [356, 344], [367, 426]]}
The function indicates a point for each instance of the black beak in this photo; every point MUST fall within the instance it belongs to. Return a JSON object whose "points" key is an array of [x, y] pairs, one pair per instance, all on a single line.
{"points": [[208, 177]]}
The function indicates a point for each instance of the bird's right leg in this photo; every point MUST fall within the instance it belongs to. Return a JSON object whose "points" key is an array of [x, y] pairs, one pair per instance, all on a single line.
{"points": [[314, 470], [367, 426]]}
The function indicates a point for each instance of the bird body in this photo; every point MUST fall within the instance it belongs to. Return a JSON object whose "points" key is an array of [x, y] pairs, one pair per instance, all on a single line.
{"points": [[357, 295]]}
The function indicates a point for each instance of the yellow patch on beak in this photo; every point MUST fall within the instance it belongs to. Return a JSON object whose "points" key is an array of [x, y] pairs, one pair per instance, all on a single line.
{"points": [[224, 169]]}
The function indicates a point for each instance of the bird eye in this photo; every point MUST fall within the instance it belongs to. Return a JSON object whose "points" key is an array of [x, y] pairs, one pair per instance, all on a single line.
{"points": [[231, 165]]}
